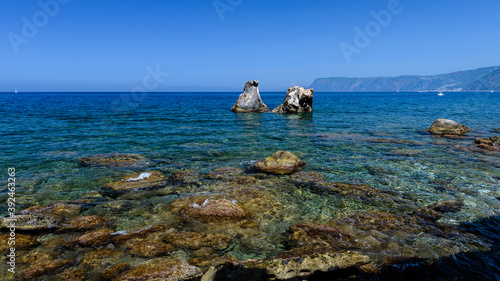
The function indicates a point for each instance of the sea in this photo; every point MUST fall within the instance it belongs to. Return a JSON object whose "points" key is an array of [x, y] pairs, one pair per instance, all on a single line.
{"points": [[375, 139]]}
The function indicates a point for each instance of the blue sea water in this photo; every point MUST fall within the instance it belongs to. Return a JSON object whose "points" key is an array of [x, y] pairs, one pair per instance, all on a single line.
{"points": [[378, 139]]}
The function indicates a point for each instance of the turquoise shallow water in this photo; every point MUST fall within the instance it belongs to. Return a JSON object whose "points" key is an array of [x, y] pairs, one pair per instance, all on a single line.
{"points": [[378, 139]]}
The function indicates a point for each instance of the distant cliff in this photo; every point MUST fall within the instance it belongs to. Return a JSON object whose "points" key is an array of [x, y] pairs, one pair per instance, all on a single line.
{"points": [[482, 79]]}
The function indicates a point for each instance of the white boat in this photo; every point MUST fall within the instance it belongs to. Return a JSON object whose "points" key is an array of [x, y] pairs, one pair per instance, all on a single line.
{"points": [[441, 94], [15, 91]]}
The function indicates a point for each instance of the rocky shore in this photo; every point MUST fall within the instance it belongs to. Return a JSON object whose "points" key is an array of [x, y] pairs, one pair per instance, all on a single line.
{"points": [[192, 226]]}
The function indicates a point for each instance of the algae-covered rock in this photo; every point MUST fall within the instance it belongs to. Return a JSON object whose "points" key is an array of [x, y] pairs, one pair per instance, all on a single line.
{"points": [[165, 269], [38, 270], [114, 160], [144, 180], [150, 249], [280, 163], [209, 209], [194, 240], [82, 223], [447, 127], [33, 222]]}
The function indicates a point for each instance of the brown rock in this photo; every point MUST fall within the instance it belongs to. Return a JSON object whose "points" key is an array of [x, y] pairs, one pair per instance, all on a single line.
{"points": [[60, 209], [492, 143], [72, 274], [194, 240], [140, 233], [19, 241], [34, 222], [188, 176], [280, 163], [92, 239], [165, 269], [114, 160], [145, 180], [150, 249], [83, 223], [36, 271], [114, 271], [447, 127], [210, 209]]}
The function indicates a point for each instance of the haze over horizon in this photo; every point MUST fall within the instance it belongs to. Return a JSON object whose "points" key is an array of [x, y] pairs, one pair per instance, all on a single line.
{"points": [[63, 45]]}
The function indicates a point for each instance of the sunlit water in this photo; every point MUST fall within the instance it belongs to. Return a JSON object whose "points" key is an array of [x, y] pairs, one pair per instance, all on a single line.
{"points": [[345, 139]]}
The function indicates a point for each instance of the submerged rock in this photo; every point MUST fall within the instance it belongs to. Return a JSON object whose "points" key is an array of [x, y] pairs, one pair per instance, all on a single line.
{"points": [[447, 127], [114, 160], [297, 100], [188, 176], [206, 209], [195, 240], [292, 268], [280, 163], [492, 143], [83, 223], [92, 239], [249, 100], [34, 222], [165, 269], [145, 180], [150, 249], [38, 270], [21, 241]]}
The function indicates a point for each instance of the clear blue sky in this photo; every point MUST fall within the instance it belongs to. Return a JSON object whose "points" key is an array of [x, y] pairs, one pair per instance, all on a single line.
{"points": [[103, 45]]}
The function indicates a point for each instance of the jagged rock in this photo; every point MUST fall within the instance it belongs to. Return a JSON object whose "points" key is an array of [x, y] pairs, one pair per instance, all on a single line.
{"points": [[492, 143], [208, 209], [83, 223], [297, 100], [145, 180], [114, 160], [165, 269], [34, 222], [40, 269], [249, 100], [447, 127], [280, 163], [194, 240]]}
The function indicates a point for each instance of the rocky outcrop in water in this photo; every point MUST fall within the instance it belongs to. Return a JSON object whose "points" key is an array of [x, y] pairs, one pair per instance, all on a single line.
{"points": [[280, 163], [145, 180], [250, 100], [492, 143], [447, 127], [297, 100]]}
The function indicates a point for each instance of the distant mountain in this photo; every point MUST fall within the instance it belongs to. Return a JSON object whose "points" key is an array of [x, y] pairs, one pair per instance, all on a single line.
{"points": [[481, 79]]}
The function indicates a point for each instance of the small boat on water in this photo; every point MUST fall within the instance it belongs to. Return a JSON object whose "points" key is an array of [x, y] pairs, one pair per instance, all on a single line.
{"points": [[15, 91], [441, 94]]}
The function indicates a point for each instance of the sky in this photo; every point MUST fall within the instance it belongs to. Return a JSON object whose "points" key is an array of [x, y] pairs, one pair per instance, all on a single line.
{"points": [[198, 45]]}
